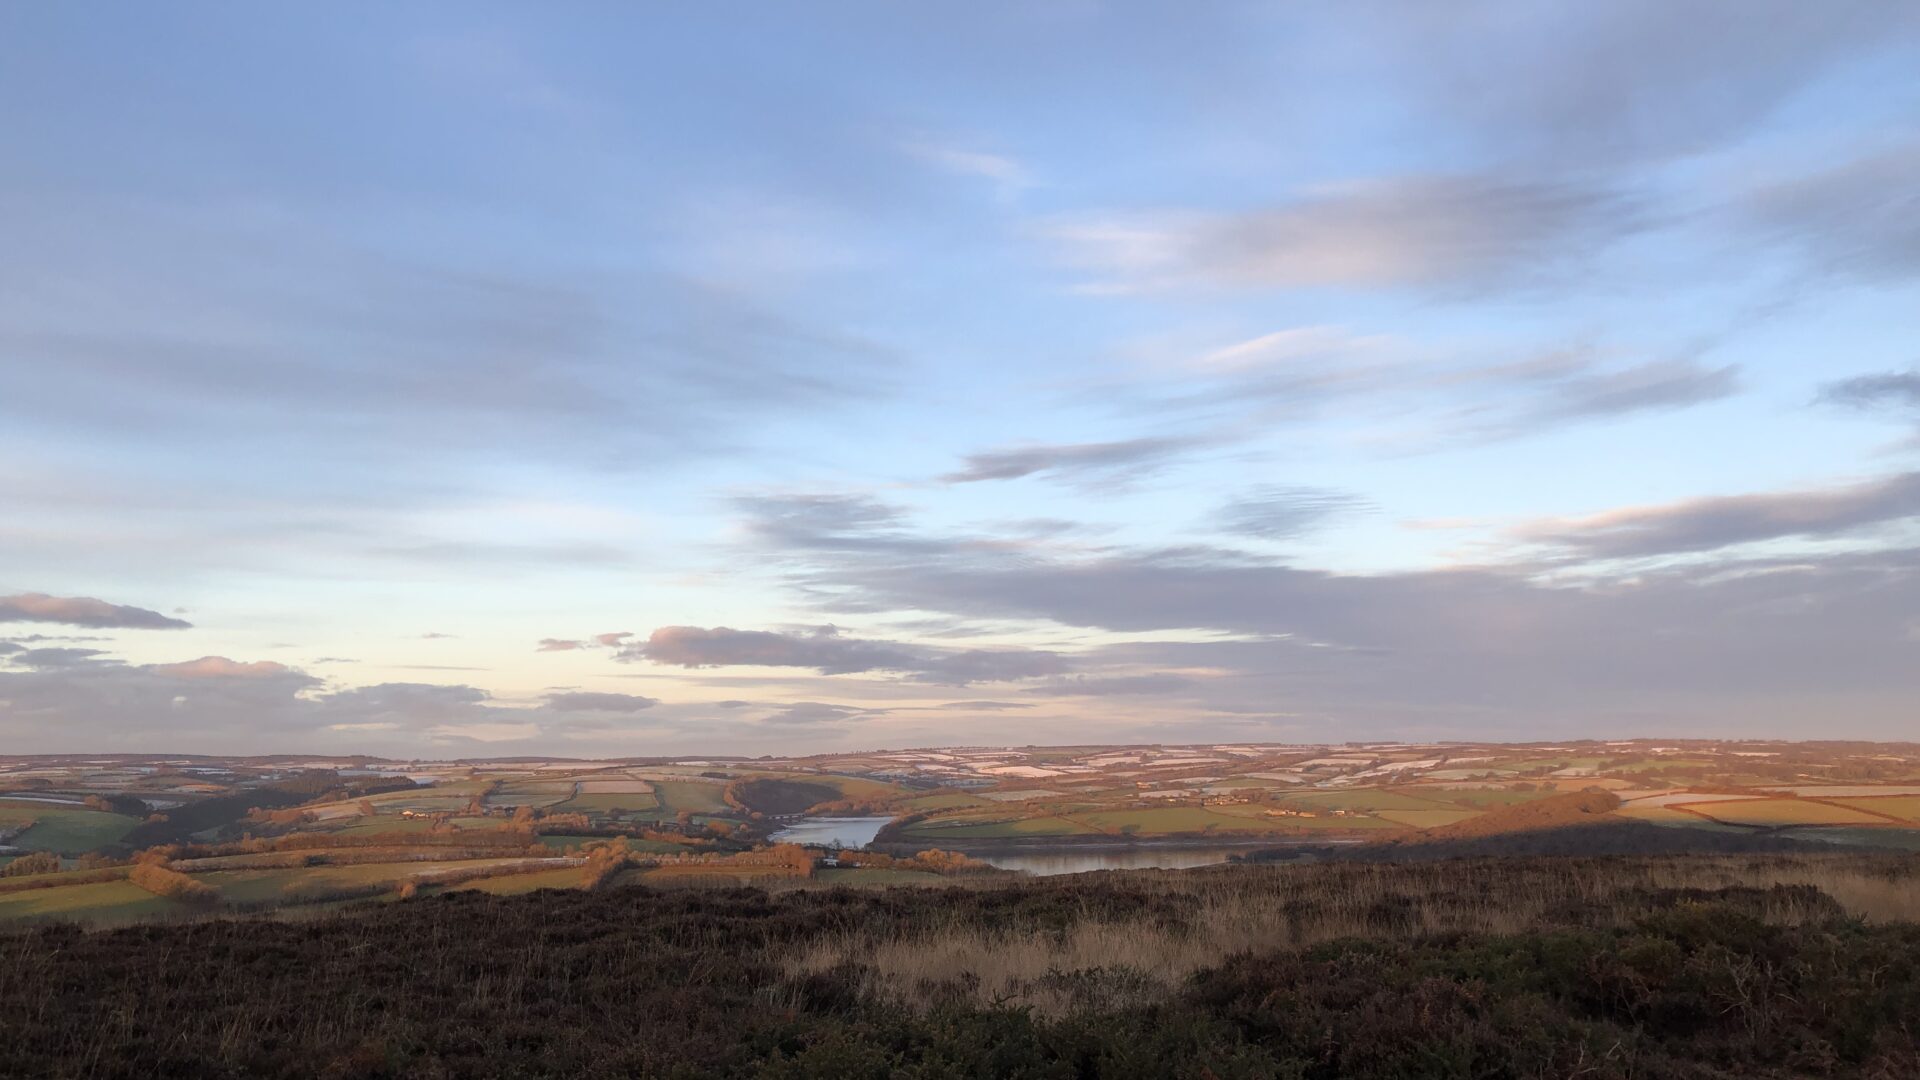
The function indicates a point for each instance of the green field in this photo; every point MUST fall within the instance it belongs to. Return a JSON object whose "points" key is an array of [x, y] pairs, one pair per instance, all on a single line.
{"points": [[420, 801], [1364, 799], [386, 823], [1482, 797], [444, 798], [944, 800], [852, 787], [1768, 812], [1904, 807], [651, 847], [250, 886], [105, 901], [974, 828], [1166, 819], [678, 795], [1428, 819], [467, 788], [718, 874], [1169, 820], [1660, 815], [63, 830], [565, 877], [607, 803], [256, 886], [536, 793]]}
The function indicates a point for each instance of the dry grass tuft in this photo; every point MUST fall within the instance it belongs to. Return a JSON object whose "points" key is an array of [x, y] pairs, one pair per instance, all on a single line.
{"points": [[1190, 921]]}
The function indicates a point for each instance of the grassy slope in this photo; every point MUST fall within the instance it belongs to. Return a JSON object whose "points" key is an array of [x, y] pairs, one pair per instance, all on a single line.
{"points": [[566, 877], [699, 797], [782, 795], [1770, 812], [945, 800], [102, 902], [970, 829], [63, 830]]}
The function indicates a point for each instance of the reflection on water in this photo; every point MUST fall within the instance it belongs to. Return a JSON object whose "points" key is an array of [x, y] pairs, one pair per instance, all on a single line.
{"points": [[848, 832], [857, 832], [1048, 863]]}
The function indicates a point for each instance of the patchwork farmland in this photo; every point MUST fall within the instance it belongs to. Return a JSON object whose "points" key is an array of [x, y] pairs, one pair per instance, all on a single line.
{"points": [[125, 839]]}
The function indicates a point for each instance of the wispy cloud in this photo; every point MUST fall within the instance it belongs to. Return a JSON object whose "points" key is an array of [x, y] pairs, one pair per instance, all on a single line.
{"points": [[1433, 394], [1113, 686], [1007, 174], [1551, 87], [1126, 457], [1445, 233], [589, 701], [1709, 524], [1859, 218], [1278, 513], [1885, 390]]}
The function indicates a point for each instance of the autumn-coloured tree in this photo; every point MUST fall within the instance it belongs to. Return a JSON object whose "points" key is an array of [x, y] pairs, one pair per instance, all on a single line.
{"points": [[161, 880], [38, 862]]}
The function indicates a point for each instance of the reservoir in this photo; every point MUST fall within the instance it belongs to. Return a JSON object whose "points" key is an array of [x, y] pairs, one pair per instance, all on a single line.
{"points": [[848, 832], [858, 832]]}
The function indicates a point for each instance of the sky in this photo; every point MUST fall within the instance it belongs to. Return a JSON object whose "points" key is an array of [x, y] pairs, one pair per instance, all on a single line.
{"points": [[469, 379]]}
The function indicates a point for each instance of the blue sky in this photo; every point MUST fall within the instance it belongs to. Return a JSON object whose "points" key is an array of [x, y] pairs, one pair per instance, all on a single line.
{"points": [[888, 375]]}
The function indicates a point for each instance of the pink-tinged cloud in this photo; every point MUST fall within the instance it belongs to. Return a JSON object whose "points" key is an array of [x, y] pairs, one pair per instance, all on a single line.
{"points": [[828, 651], [219, 667], [588, 701], [83, 611], [615, 639]]}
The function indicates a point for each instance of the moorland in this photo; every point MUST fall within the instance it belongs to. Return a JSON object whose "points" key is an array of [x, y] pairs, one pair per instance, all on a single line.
{"points": [[1695, 966], [1629, 910]]}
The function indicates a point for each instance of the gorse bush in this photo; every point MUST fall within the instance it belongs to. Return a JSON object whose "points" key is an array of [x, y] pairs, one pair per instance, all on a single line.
{"points": [[1598, 968]]}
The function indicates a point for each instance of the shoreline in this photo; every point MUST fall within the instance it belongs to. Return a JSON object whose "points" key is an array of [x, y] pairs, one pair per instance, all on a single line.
{"points": [[1069, 845]]}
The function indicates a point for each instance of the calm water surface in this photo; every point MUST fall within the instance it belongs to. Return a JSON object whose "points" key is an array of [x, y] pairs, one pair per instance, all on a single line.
{"points": [[856, 832], [850, 832]]}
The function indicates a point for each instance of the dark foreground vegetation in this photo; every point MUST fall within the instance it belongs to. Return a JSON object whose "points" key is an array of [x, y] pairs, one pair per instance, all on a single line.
{"points": [[1724, 966]]}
